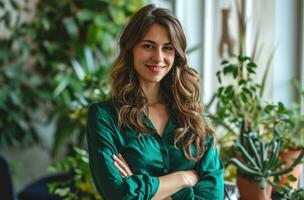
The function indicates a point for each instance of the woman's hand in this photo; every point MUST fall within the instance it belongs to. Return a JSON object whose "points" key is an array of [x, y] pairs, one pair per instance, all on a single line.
{"points": [[122, 166], [190, 177]]}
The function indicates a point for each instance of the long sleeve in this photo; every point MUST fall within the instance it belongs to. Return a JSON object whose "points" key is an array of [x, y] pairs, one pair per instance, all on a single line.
{"points": [[211, 178], [184, 194], [211, 173], [103, 142]]}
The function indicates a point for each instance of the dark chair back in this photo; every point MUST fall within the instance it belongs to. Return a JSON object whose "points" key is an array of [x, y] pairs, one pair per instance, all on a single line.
{"points": [[6, 184]]}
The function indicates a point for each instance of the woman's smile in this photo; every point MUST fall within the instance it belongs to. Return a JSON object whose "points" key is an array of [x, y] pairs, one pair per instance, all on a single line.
{"points": [[155, 68]]}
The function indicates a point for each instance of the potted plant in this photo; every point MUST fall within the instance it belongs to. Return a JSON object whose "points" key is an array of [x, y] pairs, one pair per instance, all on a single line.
{"points": [[294, 143], [260, 164], [241, 111]]}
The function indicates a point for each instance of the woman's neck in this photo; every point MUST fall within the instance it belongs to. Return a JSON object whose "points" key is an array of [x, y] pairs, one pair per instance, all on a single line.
{"points": [[153, 93]]}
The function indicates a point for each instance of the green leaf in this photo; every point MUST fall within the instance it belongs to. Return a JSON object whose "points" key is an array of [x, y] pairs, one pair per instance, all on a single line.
{"points": [[251, 65], [218, 75], [281, 107], [14, 98], [90, 60], [291, 178], [118, 15], [78, 69], [1, 4], [100, 21], [229, 90], [244, 98], [242, 82], [71, 27], [251, 70], [247, 91], [84, 15], [235, 72], [60, 88], [106, 41], [243, 58], [7, 19], [62, 191], [224, 62], [228, 69], [269, 108], [94, 35], [14, 4]]}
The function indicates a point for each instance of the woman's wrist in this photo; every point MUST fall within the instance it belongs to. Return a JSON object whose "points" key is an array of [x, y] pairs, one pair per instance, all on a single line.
{"points": [[188, 178], [184, 180]]}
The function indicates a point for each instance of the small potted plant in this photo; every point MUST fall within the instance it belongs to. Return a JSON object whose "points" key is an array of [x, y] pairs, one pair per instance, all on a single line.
{"points": [[259, 165]]}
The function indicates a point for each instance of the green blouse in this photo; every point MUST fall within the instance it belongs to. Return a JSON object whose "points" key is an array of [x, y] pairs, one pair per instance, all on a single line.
{"points": [[149, 156]]}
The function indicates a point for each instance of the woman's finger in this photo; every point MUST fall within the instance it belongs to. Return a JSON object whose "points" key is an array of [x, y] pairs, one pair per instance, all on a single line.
{"points": [[120, 156], [121, 171], [123, 165]]}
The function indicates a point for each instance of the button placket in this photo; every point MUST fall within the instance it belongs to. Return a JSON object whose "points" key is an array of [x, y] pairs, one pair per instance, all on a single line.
{"points": [[164, 153]]}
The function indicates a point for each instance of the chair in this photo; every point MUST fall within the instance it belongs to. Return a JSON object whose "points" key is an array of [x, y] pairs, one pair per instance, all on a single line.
{"points": [[39, 189], [6, 184]]}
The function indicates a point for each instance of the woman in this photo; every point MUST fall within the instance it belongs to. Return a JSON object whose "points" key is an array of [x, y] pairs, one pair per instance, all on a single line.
{"points": [[150, 141]]}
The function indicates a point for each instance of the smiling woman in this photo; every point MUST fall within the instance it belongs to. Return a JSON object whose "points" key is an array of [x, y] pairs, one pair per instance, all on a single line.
{"points": [[150, 140]]}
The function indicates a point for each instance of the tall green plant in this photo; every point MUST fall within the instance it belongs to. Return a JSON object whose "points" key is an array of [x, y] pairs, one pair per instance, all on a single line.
{"points": [[20, 85], [70, 47], [75, 45]]}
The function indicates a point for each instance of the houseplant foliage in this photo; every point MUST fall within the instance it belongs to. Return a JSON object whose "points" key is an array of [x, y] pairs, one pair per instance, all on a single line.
{"points": [[260, 159], [69, 47], [19, 82], [294, 136], [81, 185], [67, 50], [75, 47], [294, 194], [248, 119]]}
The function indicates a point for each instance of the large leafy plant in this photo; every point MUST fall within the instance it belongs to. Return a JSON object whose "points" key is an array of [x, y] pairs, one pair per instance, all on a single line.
{"points": [[75, 48], [241, 110], [60, 58], [21, 89]]}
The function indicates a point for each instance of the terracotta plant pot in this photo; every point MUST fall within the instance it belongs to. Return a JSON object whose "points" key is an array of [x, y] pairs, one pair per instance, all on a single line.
{"points": [[288, 157], [250, 190]]}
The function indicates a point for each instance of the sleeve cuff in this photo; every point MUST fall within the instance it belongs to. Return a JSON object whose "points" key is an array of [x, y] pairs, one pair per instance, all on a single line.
{"points": [[184, 194]]}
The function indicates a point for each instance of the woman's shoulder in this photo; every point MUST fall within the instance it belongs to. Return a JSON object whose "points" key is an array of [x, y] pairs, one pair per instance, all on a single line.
{"points": [[104, 108], [210, 140]]}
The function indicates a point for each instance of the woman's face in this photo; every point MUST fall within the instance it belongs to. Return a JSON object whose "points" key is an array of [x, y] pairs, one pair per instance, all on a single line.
{"points": [[153, 55]]}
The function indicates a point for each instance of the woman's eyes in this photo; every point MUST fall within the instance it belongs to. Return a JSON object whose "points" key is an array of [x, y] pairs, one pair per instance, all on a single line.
{"points": [[168, 48], [150, 46]]}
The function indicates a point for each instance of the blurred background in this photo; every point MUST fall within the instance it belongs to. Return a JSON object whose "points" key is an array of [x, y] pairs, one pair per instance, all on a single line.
{"points": [[56, 57]]}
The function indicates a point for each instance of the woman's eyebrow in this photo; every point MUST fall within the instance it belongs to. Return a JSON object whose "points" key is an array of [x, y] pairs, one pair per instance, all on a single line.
{"points": [[150, 41]]}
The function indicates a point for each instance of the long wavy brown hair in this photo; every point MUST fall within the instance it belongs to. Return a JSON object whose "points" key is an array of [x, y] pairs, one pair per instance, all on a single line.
{"points": [[181, 86]]}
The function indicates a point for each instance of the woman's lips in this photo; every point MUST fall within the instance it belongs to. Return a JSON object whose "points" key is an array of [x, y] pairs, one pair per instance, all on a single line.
{"points": [[155, 68]]}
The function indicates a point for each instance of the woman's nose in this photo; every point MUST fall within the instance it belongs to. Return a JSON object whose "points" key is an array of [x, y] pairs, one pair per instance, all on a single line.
{"points": [[159, 55]]}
